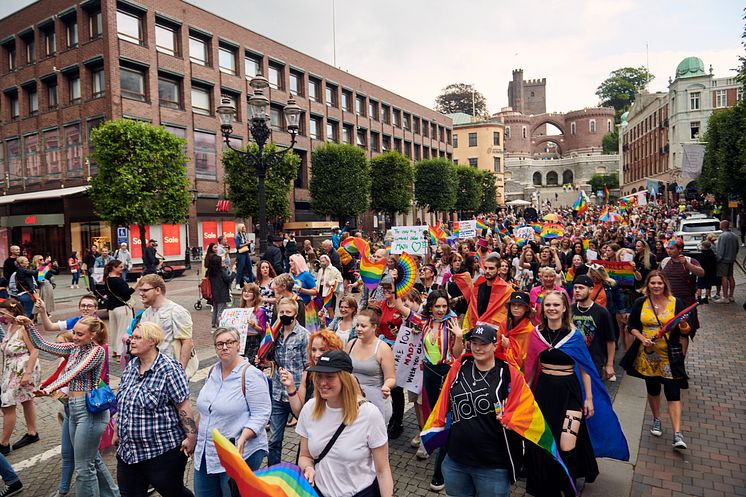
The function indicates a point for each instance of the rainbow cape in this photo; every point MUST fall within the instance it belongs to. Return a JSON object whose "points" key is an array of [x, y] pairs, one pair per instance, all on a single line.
{"points": [[552, 230], [270, 335], [520, 413], [581, 205], [280, 480], [669, 326], [621, 272]]}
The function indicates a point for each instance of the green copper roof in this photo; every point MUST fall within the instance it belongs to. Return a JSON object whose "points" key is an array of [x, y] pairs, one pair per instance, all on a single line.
{"points": [[690, 67]]}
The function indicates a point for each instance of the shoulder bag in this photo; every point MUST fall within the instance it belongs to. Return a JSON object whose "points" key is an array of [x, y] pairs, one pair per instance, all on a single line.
{"points": [[675, 353], [101, 398], [132, 309]]}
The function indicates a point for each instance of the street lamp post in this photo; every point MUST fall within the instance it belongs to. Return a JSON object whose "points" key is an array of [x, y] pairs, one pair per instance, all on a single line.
{"points": [[260, 132]]}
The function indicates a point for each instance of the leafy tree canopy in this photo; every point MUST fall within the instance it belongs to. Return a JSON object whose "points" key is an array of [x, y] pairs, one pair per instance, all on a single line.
{"points": [[620, 88], [488, 201], [435, 185], [340, 180], [469, 189], [461, 97], [598, 181], [610, 142], [391, 176], [724, 166]]}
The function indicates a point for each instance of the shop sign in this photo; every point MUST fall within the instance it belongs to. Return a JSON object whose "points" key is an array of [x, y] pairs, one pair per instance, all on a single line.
{"points": [[171, 239], [229, 231], [135, 243], [209, 233]]}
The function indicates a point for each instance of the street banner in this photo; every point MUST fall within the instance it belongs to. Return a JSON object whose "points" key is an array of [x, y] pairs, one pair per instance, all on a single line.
{"points": [[135, 243], [408, 356], [171, 239], [467, 229], [410, 239]]}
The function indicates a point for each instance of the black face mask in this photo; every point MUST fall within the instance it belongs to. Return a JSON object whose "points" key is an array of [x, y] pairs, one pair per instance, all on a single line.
{"points": [[286, 320]]}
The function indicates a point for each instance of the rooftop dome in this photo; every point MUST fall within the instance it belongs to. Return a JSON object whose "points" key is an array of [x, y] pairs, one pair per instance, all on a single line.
{"points": [[690, 67]]}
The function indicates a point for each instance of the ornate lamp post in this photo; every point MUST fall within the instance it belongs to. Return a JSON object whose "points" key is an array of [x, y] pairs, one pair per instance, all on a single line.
{"points": [[260, 132]]}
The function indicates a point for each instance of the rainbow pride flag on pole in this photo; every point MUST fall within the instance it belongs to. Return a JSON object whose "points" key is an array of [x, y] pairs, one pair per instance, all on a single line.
{"points": [[437, 235], [606, 193], [481, 225], [370, 272], [280, 480], [270, 335], [581, 205], [669, 326]]}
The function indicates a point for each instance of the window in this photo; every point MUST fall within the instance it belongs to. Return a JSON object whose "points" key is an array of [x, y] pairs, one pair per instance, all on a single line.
{"points": [[507, 132], [373, 109], [169, 93], [129, 27], [472, 139], [694, 130], [52, 151], [296, 83], [434, 131], [496, 138], [10, 50], [473, 161], [71, 33], [227, 59], [275, 77], [397, 118], [95, 24], [455, 140], [386, 143], [407, 121], [30, 50], [347, 100], [201, 100], [14, 160], [416, 125], [314, 129], [347, 134], [552, 178], [50, 42], [721, 98], [397, 144], [205, 155], [332, 129], [98, 85], [524, 131], [252, 65], [275, 118], [165, 39], [591, 126], [32, 158], [14, 105], [426, 152], [314, 89], [425, 128], [52, 100], [361, 138], [417, 152], [198, 51], [496, 164], [375, 142], [32, 97], [385, 114], [567, 177], [73, 147], [360, 105], [331, 96], [408, 150], [132, 83], [537, 178], [694, 98], [73, 83]]}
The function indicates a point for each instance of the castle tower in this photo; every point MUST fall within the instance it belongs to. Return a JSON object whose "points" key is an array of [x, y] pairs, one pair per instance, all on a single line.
{"points": [[527, 97]]}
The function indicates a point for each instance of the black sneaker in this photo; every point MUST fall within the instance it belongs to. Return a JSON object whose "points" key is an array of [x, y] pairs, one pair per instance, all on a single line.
{"points": [[25, 440], [395, 432], [4, 449], [14, 488], [437, 485]]}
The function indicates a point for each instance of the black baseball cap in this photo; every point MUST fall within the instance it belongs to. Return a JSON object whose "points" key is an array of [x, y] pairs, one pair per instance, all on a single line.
{"points": [[520, 298], [583, 280], [332, 361], [483, 332]]}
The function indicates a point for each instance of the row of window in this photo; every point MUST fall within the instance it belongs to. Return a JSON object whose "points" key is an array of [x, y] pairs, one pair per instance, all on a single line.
{"points": [[473, 139], [496, 163], [552, 178]]}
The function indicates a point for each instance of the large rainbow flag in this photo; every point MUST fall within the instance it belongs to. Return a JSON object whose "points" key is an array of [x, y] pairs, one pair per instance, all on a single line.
{"points": [[280, 480], [481, 225], [520, 413], [621, 272], [370, 272], [581, 205], [437, 235], [270, 335], [552, 230], [537, 227]]}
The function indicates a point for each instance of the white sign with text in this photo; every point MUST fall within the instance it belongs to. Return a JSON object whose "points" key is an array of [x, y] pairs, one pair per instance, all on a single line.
{"points": [[410, 239]]}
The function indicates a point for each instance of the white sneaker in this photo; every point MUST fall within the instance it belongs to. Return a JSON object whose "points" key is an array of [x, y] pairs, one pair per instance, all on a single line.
{"points": [[717, 299], [422, 454], [415, 441]]}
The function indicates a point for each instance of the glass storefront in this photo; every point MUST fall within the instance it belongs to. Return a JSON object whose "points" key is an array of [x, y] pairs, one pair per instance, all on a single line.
{"points": [[84, 236]]}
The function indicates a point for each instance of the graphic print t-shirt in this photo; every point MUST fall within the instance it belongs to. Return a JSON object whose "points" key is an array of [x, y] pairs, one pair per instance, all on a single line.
{"points": [[597, 327]]}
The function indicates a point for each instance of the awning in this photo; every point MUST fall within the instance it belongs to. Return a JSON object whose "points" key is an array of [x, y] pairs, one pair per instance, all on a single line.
{"points": [[40, 195]]}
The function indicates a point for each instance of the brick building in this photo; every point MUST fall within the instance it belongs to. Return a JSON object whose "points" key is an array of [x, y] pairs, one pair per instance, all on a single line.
{"points": [[66, 66]]}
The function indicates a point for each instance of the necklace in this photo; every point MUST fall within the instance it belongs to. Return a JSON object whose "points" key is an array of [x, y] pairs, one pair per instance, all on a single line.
{"points": [[553, 341], [584, 310], [474, 375]]}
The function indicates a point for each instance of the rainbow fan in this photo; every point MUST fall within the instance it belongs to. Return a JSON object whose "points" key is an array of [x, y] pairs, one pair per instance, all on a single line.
{"points": [[407, 269]]}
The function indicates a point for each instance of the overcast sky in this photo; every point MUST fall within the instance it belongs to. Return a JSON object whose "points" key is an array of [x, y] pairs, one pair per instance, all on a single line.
{"points": [[417, 47]]}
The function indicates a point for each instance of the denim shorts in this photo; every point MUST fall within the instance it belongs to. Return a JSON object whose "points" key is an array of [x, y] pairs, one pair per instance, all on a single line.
{"points": [[468, 481]]}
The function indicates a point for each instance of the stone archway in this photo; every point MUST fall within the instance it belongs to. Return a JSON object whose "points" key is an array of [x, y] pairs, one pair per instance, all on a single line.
{"points": [[537, 178], [542, 119], [538, 144], [567, 177], [552, 178]]}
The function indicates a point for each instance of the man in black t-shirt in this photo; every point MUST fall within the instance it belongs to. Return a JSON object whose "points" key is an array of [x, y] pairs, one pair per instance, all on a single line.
{"points": [[150, 258], [594, 321]]}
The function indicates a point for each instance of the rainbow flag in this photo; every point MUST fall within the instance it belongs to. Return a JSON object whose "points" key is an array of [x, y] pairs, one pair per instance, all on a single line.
{"points": [[280, 480], [502, 230], [437, 235], [42, 273], [270, 335], [581, 205], [604, 214], [371, 272], [621, 272], [606, 193], [537, 227], [669, 326], [455, 229], [356, 246], [552, 230], [520, 413], [312, 317], [481, 225]]}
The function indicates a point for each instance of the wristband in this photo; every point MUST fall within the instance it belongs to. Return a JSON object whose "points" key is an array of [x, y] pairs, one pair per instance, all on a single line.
{"points": [[295, 392]]}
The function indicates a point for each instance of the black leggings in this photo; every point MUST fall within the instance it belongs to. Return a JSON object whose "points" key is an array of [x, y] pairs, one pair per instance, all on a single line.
{"points": [[671, 388]]}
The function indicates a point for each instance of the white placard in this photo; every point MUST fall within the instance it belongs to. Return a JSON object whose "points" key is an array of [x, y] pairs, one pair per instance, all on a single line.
{"points": [[524, 233], [410, 239], [238, 318], [467, 229], [408, 355]]}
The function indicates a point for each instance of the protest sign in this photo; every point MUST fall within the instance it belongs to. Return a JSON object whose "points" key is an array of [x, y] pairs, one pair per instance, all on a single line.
{"points": [[467, 229], [410, 239], [408, 355]]}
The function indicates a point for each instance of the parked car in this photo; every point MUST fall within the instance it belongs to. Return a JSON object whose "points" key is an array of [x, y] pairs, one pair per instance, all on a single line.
{"points": [[694, 229]]}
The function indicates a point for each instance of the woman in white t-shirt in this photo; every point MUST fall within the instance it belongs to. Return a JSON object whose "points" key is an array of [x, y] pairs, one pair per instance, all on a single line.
{"points": [[339, 429]]}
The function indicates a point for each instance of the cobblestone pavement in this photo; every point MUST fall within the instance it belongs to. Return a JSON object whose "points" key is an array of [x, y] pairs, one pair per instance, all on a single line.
{"points": [[714, 464]]}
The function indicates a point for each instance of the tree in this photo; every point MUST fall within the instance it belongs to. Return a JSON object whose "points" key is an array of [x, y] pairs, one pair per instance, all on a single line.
{"points": [[488, 201], [141, 175], [461, 97], [724, 165], [391, 177], [620, 88], [598, 181], [610, 142], [243, 183], [469, 194], [340, 181], [435, 185]]}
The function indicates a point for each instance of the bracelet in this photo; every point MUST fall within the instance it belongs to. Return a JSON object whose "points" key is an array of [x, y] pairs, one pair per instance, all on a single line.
{"points": [[295, 392]]}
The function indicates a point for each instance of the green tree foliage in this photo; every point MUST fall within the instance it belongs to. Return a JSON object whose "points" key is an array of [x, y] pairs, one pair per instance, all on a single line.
{"points": [[392, 176], [141, 175], [488, 202], [620, 88], [435, 185], [610, 142], [461, 97], [724, 166], [598, 181], [469, 189], [243, 183], [340, 181]]}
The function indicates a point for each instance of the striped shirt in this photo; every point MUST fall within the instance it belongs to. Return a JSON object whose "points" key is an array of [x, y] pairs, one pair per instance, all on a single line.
{"points": [[84, 363], [147, 421]]}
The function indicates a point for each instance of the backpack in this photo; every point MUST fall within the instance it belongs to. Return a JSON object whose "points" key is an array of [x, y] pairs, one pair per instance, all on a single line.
{"points": [[344, 257]]}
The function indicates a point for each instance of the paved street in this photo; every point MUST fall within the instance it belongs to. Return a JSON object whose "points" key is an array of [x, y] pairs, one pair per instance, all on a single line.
{"points": [[713, 418]]}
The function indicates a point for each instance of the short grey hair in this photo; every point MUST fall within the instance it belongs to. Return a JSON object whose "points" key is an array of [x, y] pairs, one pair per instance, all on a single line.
{"points": [[223, 330]]}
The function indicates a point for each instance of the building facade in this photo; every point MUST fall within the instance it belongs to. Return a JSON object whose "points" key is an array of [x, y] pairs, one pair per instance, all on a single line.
{"points": [[527, 96], [480, 144], [65, 69]]}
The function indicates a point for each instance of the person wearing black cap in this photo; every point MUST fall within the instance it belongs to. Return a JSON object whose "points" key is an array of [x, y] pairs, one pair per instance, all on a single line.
{"points": [[273, 254], [517, 328], [595, 322], [340, 433]]}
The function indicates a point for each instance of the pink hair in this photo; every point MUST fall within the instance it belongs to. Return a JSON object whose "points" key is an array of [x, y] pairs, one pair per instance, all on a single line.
{"points": [[300, 263]]}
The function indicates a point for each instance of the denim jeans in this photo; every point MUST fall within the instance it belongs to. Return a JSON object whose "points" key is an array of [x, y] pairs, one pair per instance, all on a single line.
{"points": [[470, 481], [278, 419], [217, 310], [76, 277], [244, 269], [6, 471], [68, 455], [92, 477], [216, 484], [28, 305], [164, 472]]}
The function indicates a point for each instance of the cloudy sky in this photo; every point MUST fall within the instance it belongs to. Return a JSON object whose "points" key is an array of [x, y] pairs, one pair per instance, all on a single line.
{"points": [[417, 47]]}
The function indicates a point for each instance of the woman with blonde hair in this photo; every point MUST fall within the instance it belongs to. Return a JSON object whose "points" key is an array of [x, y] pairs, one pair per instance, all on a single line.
{"points": [[256, 323], [328, 283], [44, 271], [340, 429]]}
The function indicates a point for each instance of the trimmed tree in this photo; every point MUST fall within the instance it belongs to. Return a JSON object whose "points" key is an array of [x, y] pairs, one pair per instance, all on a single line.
{"points": [[724, 165], [469, 189], [340, 181], [243, 183], [141, 177], [391, 177], [489, 192], [435, 185]]}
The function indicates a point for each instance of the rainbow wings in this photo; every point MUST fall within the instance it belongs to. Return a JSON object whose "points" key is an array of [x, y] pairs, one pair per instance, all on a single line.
{"points": [[280, 480]]}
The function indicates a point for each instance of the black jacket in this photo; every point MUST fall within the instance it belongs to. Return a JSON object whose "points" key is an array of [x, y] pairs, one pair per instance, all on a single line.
{"points": [[274, 256], [9, 267], [118, 292]]}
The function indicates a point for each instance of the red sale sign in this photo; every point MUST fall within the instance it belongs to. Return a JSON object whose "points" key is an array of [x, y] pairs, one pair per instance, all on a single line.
{"points": [[135, 243], [229, 231], [171, 239], [209, 233]]}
